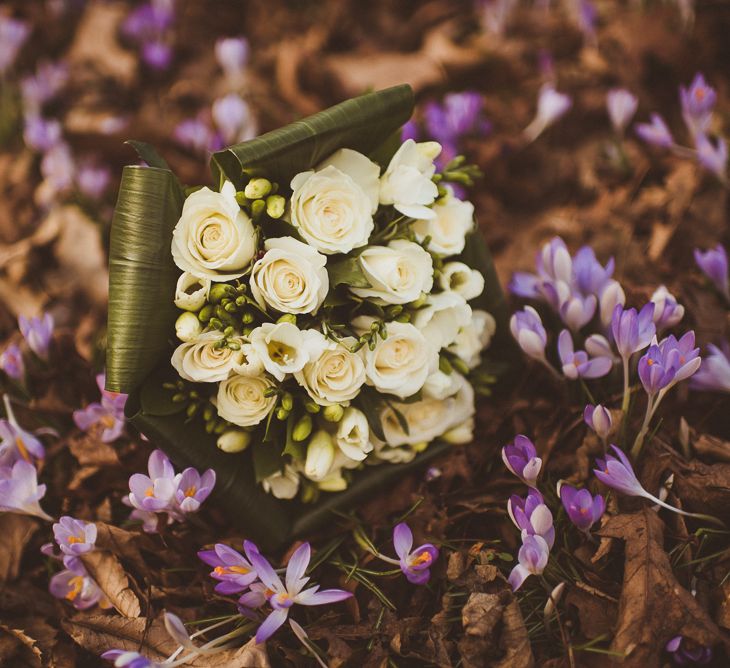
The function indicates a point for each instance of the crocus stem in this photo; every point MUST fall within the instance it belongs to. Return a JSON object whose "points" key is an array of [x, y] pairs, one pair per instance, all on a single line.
{"points": [[699, 516], [627, 394], [651, 407], [551, 369], [388, 559]]}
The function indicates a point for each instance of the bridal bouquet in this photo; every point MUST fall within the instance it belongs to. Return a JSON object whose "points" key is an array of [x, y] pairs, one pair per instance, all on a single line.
{"points": [[328, 300]]}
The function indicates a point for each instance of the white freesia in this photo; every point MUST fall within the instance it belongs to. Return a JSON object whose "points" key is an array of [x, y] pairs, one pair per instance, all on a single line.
{"points": [[462, 279], [188, 327], [333, 482], [453, 219], [461, 434], [214, 237], [440, 385], [333, 205], [206, 359], [291, 277], [474, 337], [320, 456], [282, 484], [284, 348], [234, 440], [398, 273], [334, 377], [407, 184], [393, 455], [429, 418], [401, 363], [191, 291], [442, 317], [242, 400], [353, 435]]}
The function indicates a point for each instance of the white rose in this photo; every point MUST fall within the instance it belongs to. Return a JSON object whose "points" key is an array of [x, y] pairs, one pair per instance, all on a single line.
{"points": [[191, 291], [429, 418], [282, 484], [462, 279], [284, 348], [241, 400], [453, 219], [440, 320], [398, 273], [290, 277], [320, 456], [407, 184], [214, 238], [336, 376], [353, 435], [474, 337], [333, 205], [401, 363], [208, 358], [440, 385]]}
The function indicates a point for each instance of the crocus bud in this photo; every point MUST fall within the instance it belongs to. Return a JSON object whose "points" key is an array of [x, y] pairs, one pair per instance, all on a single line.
{"points": [[11, 362], [713, 263], [599, 419], [551, 105], [667, 311], [257, 188], [529, 333], [611, 295], [320, 456], [191, 292], [621, 105], [655, 133], [187, 326], [275, 205], [302, 429], [333, 413], [597, 345], [520, 457], [234, 440], [555, 595]]}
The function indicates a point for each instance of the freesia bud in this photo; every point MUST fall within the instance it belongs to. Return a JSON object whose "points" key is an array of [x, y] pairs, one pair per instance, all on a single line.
{"points": [[320, 456], [275, 205], [191, 292], [234, 440], [288, 317], [257, 188], [302, 429], [187, 326], [333, 482], [219, 291], [333, 413]]}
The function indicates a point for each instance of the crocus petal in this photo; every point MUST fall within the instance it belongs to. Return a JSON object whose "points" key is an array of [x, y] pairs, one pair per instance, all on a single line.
{"points": [[402, 539], [321, 597], [518, 576], [297, 565], [271, 624], [266, 573]]}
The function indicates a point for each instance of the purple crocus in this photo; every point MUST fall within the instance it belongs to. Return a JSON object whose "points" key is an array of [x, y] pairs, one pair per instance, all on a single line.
{"points": [[527, 329], [598, 418], [583, 509], [75, 585], [459, 115], [714, 374], [15, 442], [532, 516], [520, 457], [667, 311], [41, 134], [107, 415], [656, 372], [577, 311], [157, 54], [554, 261], [679, 356], [712, 156], [632, 331], [93, 180], [656, 132], [13, 34], [192, 489], [589, 275], [551, 106], [20, 491], [283, 595], [11, 362], [577, 364], [73, 536], [687, 653], [195, 134], [232, 55], [697, 103], [43, 86], [233, 118], [621, 105], [37, 332], [617, 473], [713, 264], [234, 571], [125, 659], [154, 492], [532, 559], [415, 564]]}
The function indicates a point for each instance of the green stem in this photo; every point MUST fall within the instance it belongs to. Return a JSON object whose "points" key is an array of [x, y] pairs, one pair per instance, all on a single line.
{"points": [[627, 394], [699, 516]]}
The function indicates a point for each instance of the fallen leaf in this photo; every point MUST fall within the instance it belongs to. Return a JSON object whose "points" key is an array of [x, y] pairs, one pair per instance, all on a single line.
{"points": [[90, 450], [16, 531], [124, 544], [653, 607], [703, 488], [597, 614], [514, 641], [712, 447], [18, 649], [108, 573]]}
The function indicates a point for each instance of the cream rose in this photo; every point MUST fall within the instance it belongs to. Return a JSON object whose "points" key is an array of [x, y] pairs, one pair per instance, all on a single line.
{"points": [[440, 320], [283, 348], [407, 184], [462, 279], [474, 337], [210, 359], [429, 418], [242, 401], [333, 205], [353, 435], [191, 291], [336, 376], [214, 238], [290, 277], [401, 363], [453, 219], [398, 273]]}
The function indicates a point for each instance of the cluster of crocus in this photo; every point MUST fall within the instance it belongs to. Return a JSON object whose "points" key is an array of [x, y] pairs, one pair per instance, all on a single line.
{"points": [[697, 102], [106, 415], [38, 335], [164, 492], [149, 27]]}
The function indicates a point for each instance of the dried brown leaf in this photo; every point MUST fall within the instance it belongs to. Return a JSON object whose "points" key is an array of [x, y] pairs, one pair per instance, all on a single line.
{"points": [[515, 642], [108, 573], [90, 450], [712, 447], [16, 531], [18, 649]]}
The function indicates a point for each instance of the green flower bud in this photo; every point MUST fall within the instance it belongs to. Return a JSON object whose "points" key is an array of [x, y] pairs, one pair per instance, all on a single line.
{"points": [[312, 407], [220, 427], [275, 205], [247, 318], [179, 398], [208, 412], [231, 307], [420, 301], [282, 413], [191, 410], [287, 401], [241, 198], [240, 300], [333, 413], [187, 326], [257, 188], [234, 440], [288, 317], [218, 292], [404, 317], [257, 208], [460, 365], [309, 494], [302, 429], [206, 313], [445, 365], [215, 323]]}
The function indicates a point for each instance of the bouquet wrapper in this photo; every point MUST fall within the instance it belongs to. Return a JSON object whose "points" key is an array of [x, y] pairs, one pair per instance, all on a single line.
{"points": [[143, 276]]}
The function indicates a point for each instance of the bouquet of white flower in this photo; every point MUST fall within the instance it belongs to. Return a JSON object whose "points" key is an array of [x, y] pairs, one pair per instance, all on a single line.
{"points": [[329, 304]]}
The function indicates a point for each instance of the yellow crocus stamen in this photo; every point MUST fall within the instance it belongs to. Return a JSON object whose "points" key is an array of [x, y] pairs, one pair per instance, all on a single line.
{"points": [[190, 491], [22, 449], [149, 491], [76, 585], [75, 539]]}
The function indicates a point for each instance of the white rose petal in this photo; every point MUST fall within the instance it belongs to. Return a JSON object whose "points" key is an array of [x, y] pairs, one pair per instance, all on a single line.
{"points": [[401, 363], [441, 319], [407, 184], [241, 400], [336, 376], [291, 277], [214, 238], [474, 337], [282, 484], [353, 435], [398, 273], [462, 279], [204, 360], [191, 292], [283, 348], [452, 220]]}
